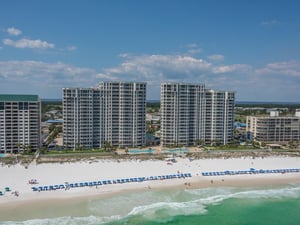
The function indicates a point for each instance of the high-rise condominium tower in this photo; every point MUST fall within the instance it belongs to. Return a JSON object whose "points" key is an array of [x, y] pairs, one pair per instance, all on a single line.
{"points": [[123, 110], [20, 117], [191, 114], [218, 117], [113, 112], [81, 114]]}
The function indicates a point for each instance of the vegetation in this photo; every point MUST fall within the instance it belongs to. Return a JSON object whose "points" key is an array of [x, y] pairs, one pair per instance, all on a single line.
{"points": [[268, 105], [54, 131], [242, 110], [48, 106], [234, 147], [51, 105], [153, 107]]}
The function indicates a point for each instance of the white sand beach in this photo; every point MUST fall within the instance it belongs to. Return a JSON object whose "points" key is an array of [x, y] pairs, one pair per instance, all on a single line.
{"points": [[17, 177]]}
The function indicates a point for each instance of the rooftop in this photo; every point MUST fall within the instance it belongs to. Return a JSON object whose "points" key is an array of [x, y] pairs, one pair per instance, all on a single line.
{"points": [[18, 98]]}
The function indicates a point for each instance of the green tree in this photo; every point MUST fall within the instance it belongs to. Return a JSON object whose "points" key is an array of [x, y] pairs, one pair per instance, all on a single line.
{"points": [[107, 146]]}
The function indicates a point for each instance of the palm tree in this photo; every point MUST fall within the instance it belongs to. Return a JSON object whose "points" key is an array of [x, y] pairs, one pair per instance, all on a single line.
{"points": [[27, 148], [107, 146]]}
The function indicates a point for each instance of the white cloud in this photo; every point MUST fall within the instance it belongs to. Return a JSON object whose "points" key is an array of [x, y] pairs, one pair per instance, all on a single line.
{"points": [[270, 23], [27, 43], [29, 69], [193, 49], [231, 68], [249, 83], [216, 57], [148, 67], [30, 43], [155, 69], [278, 81], [173, 66], [192, 45], [71, 48], [290, 68], [45, 79], [13, 31]]}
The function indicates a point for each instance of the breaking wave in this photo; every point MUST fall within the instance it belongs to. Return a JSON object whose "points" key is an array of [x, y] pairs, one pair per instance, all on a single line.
{"points": [[162, 204]]}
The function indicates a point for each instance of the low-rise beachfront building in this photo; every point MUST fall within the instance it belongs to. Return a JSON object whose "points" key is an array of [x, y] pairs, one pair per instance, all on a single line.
{"points": [[274, 128], [20, 118], [191, 114], [112, 112]]}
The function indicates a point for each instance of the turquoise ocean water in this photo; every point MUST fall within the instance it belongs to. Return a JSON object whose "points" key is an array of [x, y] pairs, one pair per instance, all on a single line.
{"points": [[272, 205]]}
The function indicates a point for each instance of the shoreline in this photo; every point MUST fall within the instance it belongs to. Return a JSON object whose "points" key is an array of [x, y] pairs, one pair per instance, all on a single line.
{"points": [[49, 174]]}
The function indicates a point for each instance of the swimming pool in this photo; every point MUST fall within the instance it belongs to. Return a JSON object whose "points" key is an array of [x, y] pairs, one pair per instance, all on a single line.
{"points": [[176, 150], [137, 151], [2, 155]]}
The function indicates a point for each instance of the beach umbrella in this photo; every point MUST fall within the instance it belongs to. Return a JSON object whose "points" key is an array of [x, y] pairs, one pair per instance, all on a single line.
{"points": [[7, 189]]}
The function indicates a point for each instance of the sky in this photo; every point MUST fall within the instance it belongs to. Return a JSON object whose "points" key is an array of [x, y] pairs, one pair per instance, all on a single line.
{"points": [[250, 47]]}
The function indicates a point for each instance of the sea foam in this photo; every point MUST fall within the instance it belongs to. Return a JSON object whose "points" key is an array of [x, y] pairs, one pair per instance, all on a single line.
{"points": [[163, 204], [64, 221]]}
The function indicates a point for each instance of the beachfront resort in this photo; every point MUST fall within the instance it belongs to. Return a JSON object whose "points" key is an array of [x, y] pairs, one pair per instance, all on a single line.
{"points": [[113, 115]]}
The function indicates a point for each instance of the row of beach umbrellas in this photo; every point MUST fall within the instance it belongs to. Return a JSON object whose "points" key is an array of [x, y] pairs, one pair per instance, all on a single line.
{"points": [[107, 182], [250, 171]]}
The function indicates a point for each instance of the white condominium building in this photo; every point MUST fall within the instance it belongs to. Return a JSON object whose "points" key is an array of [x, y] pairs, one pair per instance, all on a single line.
{"points": [[218, 117], [181, 115], [191, 114], [113, 112], [123, 111], [81, 114], [274, 128], [20, 117]]}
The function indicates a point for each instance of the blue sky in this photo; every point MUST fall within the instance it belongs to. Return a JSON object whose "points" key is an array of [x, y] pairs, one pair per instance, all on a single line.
{"points": [[250, 47]]}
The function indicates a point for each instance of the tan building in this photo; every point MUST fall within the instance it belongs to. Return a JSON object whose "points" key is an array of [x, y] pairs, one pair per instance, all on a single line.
{"points": [[274, 128]]}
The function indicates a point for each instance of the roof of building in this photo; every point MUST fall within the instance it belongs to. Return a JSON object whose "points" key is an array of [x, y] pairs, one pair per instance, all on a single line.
{"points": [[18, 98]]}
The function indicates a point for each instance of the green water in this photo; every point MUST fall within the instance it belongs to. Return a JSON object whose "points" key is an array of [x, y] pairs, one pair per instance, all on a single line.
{"points": [[278, 205], [232, 212]]}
